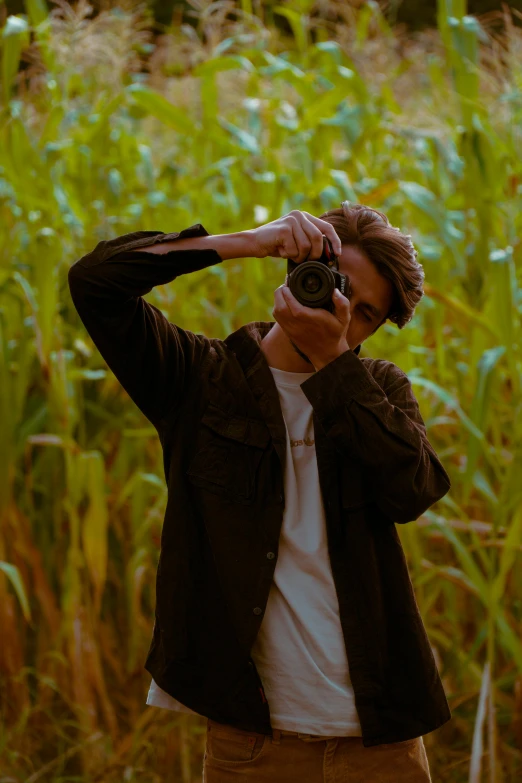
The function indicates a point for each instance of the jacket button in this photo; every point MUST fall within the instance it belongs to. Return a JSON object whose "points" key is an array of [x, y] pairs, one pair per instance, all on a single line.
{"points": [[270, 555], [257, 610]]}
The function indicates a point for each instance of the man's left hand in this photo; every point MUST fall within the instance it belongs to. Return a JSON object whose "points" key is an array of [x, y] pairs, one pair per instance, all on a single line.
{"points": [[320, 335]]}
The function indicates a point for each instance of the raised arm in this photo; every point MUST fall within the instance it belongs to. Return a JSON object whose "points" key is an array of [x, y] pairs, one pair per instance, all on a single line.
{"points": [[153, 359], [381, 427]]}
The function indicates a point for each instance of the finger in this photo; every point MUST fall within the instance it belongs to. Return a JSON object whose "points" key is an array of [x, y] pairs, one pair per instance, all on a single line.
{"points": [[327, 229], [280, 310], [340, 298], [279, 298], [282, 298], [341, 305], [314, 236], [285, 302], [293, 305], [310, 237], [288, 247], [304, 242]]}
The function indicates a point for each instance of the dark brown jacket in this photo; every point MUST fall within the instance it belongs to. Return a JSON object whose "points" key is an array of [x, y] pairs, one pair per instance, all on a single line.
{"points": [[216, 409]]}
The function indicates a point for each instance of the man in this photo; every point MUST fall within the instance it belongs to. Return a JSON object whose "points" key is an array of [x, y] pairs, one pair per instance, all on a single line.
{"points": [[284, 609]]}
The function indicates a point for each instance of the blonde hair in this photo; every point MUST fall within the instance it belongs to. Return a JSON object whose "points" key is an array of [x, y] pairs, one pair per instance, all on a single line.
{"points": [[388, 248]]}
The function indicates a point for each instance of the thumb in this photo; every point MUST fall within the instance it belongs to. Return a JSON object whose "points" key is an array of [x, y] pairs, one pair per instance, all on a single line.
{"points": [[341, 303], [339, 299]]}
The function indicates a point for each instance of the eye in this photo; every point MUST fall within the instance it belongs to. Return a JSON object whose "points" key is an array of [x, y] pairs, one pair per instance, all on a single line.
{"points": [[368, 317]]}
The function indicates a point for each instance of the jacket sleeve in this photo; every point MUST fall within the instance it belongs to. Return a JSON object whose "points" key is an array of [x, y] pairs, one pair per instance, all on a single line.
{"points": [[383, 428], [153, 359]]}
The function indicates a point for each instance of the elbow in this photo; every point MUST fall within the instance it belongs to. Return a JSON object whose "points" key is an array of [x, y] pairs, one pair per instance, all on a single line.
{"points": [[73, 275], [408, 508]]}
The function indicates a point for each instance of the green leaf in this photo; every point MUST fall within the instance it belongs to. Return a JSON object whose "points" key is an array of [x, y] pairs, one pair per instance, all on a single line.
{"points": [[449, 400], [420, 196], [280, 65], [95, 521], [323, 106], [244, 139], [298, 24], [469, 566], [481, 405], [228, 63], [13, 574], [159, 107], [37, 10], [15, 36], [508, 554], [330, 47]]}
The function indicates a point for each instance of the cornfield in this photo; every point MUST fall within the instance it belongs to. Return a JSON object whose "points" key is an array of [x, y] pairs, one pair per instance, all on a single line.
{"points": [[109, 125]]}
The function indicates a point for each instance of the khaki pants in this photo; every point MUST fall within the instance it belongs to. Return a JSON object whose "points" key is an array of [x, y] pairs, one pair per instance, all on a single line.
{"points": [[233, 755]]}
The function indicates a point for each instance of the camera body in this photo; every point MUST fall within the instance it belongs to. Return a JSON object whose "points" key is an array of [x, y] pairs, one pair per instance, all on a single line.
{"points": [[313, 282]]}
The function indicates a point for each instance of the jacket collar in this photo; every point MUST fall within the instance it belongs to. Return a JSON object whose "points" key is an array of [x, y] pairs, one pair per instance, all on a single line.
{"points": [[245, 342]]}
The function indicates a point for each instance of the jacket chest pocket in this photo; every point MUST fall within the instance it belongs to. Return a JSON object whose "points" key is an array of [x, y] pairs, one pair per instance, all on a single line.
{"points": [[231, 448]]}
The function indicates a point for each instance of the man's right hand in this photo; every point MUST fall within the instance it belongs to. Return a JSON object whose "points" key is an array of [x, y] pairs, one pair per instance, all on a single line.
{"points": [[298, 236]]}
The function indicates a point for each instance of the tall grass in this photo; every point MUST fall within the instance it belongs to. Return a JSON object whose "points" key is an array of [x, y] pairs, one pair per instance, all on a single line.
{"points": [[229, 123]]}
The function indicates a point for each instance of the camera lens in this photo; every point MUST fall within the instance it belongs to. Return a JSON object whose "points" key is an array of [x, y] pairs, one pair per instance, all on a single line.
{"points": [[311, 283]]}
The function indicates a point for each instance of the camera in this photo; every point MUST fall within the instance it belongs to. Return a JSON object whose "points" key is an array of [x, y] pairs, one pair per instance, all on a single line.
{"points": [[313, 282]]}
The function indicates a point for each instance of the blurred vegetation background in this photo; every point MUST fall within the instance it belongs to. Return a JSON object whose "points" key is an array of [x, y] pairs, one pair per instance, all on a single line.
{"points": [[414, 14], [113, 122]]}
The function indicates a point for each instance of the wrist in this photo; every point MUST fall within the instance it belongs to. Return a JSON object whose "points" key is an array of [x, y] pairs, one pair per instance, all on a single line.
{"points": [[324, 360], [251, 242], [240, 244]]}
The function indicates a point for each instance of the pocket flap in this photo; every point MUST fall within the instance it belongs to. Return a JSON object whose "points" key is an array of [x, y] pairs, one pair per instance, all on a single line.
{"points": [[253, 432]]}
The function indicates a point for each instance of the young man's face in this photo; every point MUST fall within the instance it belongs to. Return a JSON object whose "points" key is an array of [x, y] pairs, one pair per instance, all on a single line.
{"points": [[369, 289]]}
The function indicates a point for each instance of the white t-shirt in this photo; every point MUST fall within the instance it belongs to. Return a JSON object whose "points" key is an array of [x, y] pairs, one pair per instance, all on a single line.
{"points": [[299, 650]]}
